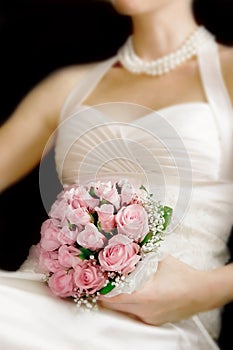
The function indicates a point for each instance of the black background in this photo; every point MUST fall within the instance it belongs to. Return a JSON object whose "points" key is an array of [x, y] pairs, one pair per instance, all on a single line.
{"points": [[40, 36]]}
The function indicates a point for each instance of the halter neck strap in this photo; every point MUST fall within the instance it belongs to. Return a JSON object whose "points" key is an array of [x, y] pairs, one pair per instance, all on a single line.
{"points": [[85, 87], [219, 101]]}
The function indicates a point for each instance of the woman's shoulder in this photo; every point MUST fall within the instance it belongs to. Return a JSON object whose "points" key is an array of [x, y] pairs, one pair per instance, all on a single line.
{"points": [[57, 86], [63, 80], [70, 75], [226, 58]]}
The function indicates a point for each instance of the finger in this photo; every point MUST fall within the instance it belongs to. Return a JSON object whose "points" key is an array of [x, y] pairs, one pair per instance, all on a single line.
{"points": [[120, 308], [119, 299], [126, 308]]}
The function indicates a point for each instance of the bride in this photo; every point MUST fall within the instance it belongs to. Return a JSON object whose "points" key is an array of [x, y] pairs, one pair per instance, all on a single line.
{"points": [[162, 105]]}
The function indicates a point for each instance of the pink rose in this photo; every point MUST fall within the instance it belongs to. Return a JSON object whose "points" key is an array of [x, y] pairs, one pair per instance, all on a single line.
{"points": [[59, 208], [108, 192], [88, 277], [82, 198], [78, 216], [62, 284], [49, 232], [66, 236], [127, 193], [68, 256], [91, 238], [48, 261], [106, 217], [119, 255], [132, 221]]}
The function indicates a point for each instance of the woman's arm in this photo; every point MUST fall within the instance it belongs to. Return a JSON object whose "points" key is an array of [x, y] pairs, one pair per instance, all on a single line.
{"points": [[176, 291], [25, 134], [226, 57]]}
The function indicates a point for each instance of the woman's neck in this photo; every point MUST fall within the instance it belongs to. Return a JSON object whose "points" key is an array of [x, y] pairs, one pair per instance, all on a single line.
{"points": [[163, 31]]}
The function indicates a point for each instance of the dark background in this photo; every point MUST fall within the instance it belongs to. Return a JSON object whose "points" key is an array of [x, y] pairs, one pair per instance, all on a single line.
{"points": [[40, 36]]}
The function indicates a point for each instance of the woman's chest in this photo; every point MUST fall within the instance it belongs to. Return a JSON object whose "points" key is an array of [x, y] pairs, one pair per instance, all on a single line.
{"points": [[118, 85]]}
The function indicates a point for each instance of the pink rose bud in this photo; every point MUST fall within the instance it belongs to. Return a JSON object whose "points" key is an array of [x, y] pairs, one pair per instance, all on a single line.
{"points": [[68, 256], [89, 277], [49, 232], [48, 261], [91, 238], [127, 193], [119, 255], [132, 221], [78, 216], [61, 283], [80, 197], [66, 236], [59, 208], [108, 192], [106, 217]]}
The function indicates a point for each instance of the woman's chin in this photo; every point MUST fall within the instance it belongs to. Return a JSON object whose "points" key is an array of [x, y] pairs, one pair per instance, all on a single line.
{"points": [[137, 7], [128, 7]]}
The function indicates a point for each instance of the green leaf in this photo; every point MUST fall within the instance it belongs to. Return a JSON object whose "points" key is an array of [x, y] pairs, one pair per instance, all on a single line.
{"points": [[85, 253], [143, 188], [107, 288], [92, 218], [103, 201], [167, 216], [99, 226], [92, 193], [146, 239], [72, 227]]}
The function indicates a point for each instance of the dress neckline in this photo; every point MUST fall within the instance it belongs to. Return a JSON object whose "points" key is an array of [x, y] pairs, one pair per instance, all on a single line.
{"points": [[151, 112]]}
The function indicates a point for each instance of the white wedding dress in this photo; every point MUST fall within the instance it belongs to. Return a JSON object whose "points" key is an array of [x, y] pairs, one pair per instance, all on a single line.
{"points": [[184, 154]]}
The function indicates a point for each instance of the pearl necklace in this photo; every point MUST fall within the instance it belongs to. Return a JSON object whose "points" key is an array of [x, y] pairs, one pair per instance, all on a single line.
{"points": [[133, 63]]}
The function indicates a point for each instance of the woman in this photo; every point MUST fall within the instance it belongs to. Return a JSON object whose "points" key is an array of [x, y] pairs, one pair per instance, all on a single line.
{"points": [[190, 94]]}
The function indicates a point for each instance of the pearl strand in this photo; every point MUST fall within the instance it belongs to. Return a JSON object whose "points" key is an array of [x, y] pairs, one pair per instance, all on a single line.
{"points": [[133, 63]]}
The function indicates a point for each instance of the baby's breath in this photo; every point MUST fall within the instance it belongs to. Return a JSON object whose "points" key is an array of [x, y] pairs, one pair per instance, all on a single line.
{"points": [[156, 222]]}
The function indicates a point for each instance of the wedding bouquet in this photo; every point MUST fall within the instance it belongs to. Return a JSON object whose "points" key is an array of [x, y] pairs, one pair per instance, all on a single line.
{"points": [[96, 236]]}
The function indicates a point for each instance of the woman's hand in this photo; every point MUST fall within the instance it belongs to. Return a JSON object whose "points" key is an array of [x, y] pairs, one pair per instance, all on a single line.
{"points": [[176, 291]]}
